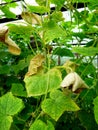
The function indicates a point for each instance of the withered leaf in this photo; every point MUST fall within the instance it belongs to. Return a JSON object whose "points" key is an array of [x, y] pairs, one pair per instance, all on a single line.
{"points": [[70, 66], [36, 64], [31, 18], [74, 82], [4, 38]]}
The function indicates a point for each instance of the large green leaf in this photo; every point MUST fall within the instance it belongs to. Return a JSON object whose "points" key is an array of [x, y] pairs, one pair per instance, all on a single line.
{"points": [[86, 51], [52, 30], [96, 108], [9, 106], [57, 104], [42, 83], [40, 125]]}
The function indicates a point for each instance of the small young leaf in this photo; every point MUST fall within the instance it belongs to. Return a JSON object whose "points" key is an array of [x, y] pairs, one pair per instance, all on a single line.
{"points": [[57, 104]]}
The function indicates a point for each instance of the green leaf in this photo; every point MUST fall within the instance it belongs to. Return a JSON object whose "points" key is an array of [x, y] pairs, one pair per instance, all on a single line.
{"points": [[5, 69], [93, 4], [41, 2], [57, 16], [18, 90], [7, 0], [9, 106], [87, 120], [63, 52], [38, 9], [5, 122], [52, 30], [95, 102], [41, 84], [59, 3], [57, 104], [86, 51], [40, 125], [7, 12], [20, 66]]}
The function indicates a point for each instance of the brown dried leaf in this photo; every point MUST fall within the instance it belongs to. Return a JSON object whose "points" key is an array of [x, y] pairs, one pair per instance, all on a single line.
{"points": [[74, 82], [12, 46], [31, 18], [36, 64]]}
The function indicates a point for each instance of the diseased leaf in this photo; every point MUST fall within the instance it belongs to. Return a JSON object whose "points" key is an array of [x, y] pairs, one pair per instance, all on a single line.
{"points": [[40, 84], [57, 104], [35, 64], [74, 82], [31, 18], [40, 125], [4, 38], [70, 66], [9, 106]]}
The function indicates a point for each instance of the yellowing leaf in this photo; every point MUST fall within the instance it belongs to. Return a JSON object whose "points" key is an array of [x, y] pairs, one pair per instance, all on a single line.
{"points": [[12, 46], [35, 64], [40, 84], [31, 18], [70, 66], [57, 104], [73, 81]]}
